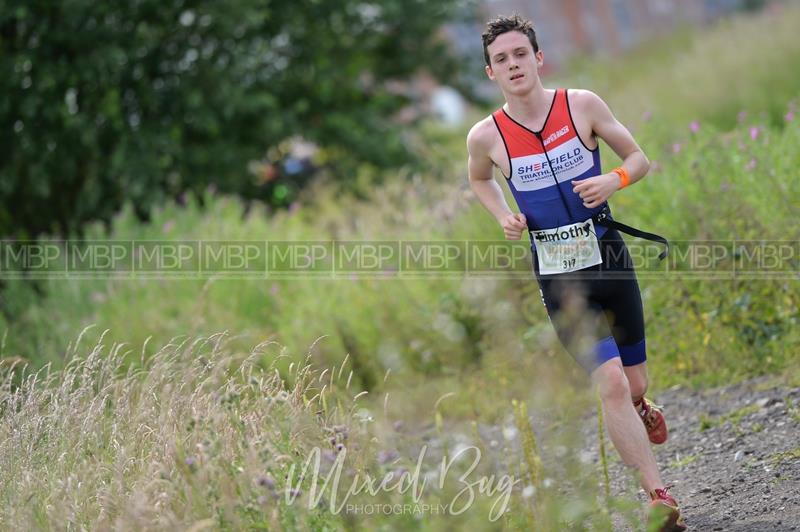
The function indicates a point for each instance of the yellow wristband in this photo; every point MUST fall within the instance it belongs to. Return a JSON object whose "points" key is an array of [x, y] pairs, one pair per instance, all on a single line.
{"points": [[624, 178]]}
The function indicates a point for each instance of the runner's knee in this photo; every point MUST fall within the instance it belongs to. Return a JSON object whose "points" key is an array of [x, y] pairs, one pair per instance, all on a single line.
{"points": [[612, 384]]}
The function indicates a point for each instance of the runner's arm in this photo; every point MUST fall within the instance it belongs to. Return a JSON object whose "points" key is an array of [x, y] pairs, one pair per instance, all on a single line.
{"points": [[481, 179], [482, 183], [607, 127]]}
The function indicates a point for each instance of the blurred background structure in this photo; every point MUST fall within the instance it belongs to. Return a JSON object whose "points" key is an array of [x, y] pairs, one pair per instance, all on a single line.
{"points": [[577, 28]]}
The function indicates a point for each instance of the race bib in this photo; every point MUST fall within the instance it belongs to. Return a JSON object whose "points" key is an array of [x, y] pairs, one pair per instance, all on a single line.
{"points": [[567, 248]]}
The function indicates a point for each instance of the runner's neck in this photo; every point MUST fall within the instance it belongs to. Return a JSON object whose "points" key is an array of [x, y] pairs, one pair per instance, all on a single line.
{"points": [[532, 108]]}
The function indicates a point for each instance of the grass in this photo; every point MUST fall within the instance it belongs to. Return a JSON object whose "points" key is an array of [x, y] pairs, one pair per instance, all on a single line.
{"points": [[784, 456], [680, 463], [734, 417], [230, 445]]}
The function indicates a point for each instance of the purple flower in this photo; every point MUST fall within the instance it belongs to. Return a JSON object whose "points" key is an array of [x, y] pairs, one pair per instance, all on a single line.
{"points": [[789, 116], [168, 225], [694, 127], [329, 455], [274, 289], [386, 456], [676, 148], [754, 131], [190, 461], [265, 481]]}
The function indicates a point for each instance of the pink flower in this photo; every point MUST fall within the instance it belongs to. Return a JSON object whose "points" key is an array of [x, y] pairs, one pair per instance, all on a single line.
{"points": [[168, 225], [754, 131], [751, 165], [274, 289], [676, 148], [694, 127], [789, 116]]}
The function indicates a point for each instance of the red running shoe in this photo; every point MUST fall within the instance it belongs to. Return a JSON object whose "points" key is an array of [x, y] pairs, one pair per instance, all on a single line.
{"points": [[653, 421], [664, 512]]}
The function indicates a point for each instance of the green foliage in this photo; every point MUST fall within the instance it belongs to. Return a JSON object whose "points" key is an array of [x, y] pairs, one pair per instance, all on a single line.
{"points": [[107, 102], [702, 187]]}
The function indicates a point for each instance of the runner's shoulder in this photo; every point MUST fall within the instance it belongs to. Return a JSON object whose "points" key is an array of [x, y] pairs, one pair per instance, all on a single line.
{"points": [[583, 100], [482, 136]]}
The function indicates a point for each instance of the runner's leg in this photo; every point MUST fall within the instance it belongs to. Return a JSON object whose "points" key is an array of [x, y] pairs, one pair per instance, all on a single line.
{"points": [[637, 377], [624, 426]]}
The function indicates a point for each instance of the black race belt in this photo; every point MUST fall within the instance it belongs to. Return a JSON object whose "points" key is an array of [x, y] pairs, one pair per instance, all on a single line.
{"points": [[602, 218]]}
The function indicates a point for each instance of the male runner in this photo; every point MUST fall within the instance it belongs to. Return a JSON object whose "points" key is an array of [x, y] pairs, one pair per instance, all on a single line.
{"points": [[545, 143]]}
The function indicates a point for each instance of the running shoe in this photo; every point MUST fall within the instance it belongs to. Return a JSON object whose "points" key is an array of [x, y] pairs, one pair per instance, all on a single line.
{"points": [[664, 512], [653, 421]]}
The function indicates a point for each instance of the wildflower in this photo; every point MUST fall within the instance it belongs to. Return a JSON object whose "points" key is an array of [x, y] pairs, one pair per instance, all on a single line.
{"points": [[386, 456], [741, 116], [676, 148], [274, 289], [751, 165], [754, 131], [789, 116], [265, 481], [328, 455], [694, 127], [191, 463], [168, 225]]}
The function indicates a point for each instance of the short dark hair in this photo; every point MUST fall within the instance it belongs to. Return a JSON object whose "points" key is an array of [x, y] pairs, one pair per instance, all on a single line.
{"points": [[502, 25]]}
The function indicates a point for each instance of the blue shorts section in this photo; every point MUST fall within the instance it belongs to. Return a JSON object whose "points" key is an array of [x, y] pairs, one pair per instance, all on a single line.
{"points": [[633, 354], [605, 350]]}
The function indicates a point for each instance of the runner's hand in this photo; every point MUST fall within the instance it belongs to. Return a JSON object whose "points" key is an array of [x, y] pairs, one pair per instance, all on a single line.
{"points": [[595, 190], [513, 225]]}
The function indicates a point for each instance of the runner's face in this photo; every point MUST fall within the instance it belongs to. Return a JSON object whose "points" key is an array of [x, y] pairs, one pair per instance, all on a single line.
{"points": [[513, 63]]}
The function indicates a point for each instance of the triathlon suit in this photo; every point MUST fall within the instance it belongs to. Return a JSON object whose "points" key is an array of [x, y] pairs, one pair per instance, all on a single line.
{"points": [[601, 301]]}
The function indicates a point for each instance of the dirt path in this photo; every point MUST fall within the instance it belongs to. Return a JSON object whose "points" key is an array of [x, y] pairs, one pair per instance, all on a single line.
{"points": [[733, 456]]}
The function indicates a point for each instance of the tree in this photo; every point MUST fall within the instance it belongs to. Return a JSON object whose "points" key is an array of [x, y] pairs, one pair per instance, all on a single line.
{"points": [[142, 100]]}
